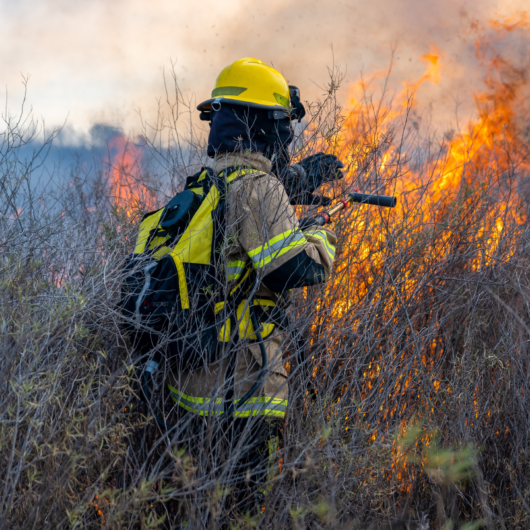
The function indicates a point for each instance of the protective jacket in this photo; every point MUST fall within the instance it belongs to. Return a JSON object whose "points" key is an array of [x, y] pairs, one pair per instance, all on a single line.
{"points": [[264, 254]]}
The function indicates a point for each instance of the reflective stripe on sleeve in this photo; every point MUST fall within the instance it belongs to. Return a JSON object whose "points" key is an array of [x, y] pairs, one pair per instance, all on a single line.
{"points": [[320, 234], [234, 269], [257, 406], [276, 247]]}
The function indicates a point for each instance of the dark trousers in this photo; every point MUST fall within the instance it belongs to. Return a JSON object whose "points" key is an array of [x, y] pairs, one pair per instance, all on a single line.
{"points": [[235, 454]]}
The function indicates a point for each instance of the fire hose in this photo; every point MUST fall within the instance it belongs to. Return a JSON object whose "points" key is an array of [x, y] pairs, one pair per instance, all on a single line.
{"points": [[364, 198]]}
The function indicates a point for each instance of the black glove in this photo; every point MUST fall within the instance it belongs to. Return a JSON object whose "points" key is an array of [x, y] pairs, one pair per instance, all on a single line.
{"points": [[304, 178], [306, 197]]}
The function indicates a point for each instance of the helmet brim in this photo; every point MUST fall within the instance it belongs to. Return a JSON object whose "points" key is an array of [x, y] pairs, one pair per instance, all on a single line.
{"points": [[207, 105]]}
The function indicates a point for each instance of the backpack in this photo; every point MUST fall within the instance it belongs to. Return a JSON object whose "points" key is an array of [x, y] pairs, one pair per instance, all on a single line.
{"points": [[174, 287]]}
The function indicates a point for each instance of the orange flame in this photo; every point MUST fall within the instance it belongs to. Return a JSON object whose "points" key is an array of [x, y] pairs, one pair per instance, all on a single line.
{"points": [[127, 183], [432, 73], [478, 159]]}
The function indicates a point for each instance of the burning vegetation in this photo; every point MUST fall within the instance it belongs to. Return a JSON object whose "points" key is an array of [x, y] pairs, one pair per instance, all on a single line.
{"points": [[426, 317], [410, 368]]}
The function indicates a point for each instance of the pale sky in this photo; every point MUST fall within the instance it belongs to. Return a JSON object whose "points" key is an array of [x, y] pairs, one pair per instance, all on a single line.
{"points": [[99, 61]]}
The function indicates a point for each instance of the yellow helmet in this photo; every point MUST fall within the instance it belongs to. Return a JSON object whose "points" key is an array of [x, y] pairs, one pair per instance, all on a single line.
{"points": [[252, 83]]}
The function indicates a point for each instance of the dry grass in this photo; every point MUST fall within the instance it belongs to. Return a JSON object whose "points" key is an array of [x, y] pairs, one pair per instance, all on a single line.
{"points": [[409, 370]]}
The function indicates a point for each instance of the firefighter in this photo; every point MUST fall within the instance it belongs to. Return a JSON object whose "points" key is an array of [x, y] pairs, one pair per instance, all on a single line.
{"points": [[263, 254]]}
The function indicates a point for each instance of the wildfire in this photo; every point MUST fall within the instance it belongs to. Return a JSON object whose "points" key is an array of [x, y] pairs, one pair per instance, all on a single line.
{"points": [[127, 183], [473, 158], [473, 168], [432, 72]]}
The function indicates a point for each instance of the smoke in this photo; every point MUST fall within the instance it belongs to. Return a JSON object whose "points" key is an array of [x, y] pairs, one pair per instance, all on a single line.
{"points": [[98, 62]]}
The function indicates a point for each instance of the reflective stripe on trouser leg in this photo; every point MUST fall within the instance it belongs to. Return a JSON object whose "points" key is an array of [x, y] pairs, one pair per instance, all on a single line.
{"points": [[257, 406]]}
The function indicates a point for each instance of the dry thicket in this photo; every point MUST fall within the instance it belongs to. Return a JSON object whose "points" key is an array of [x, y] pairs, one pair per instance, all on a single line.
{"points": [[409, 370]]}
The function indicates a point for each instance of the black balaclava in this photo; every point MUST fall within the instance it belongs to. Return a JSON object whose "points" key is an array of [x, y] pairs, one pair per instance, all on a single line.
{"points": [[236, 128]]}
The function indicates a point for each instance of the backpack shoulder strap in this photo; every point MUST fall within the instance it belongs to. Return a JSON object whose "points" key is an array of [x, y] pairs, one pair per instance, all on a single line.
{"points": [[193, 181]]}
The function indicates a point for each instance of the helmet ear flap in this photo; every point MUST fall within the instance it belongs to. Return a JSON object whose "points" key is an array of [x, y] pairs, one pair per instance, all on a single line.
{"points": [[298, 109]]}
